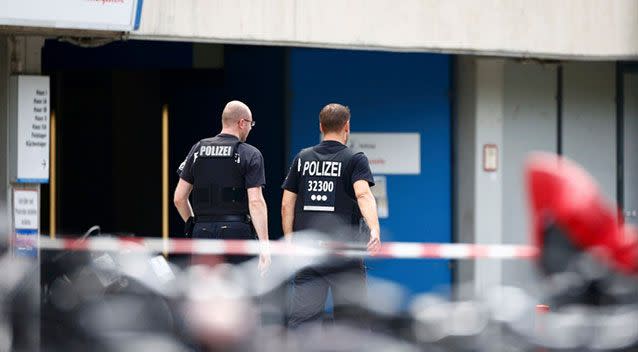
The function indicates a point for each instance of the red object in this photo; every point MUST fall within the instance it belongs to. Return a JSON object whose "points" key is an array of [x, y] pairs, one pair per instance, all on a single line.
{"points": [[542, 309], [561, 191]]}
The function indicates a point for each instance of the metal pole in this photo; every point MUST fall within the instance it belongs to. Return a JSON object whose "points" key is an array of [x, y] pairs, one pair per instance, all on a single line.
{"points": [[165, 193], [52, 179]]}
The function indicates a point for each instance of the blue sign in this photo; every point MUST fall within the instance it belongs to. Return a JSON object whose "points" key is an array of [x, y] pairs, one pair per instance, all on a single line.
{"points": [[26, 243]]}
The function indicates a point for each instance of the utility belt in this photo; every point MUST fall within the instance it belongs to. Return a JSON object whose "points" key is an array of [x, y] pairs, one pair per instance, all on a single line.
{"points": [[190, 223], [223, 218]]}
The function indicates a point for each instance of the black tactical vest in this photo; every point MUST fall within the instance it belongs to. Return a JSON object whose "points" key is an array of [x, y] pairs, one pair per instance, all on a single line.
{"points": [[325, 201], [219, 187]]}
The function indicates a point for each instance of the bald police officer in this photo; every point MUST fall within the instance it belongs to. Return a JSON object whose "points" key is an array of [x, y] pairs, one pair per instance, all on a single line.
{"points": [[226, 176], [328, 189]]}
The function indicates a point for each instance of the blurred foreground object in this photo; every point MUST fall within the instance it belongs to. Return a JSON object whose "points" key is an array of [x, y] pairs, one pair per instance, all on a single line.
{"points": [[563, 197], [18, 304], [129, 300]]}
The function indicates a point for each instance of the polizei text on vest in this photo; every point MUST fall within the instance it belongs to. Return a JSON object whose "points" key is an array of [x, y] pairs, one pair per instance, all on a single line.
{"points": [[320, 168], [215, 150]]}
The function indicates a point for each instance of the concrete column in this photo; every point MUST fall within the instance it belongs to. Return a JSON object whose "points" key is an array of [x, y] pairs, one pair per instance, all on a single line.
{"points": [[630, 170], [4, 140], [464, 170], [479, 110], [488, 185], [18, 55]]}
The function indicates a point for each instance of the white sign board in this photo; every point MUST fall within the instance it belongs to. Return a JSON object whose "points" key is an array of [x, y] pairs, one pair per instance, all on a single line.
{"points": [[25, 210], [108, 15], [26, 222], [29, 131], [389, 153]]}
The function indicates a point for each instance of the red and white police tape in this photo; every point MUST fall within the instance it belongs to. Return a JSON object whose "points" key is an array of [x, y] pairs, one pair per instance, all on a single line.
{"points": [[404, 250]]}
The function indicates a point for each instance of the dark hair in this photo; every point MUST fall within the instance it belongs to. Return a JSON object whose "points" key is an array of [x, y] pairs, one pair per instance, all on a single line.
{"points": [[333, 117]]}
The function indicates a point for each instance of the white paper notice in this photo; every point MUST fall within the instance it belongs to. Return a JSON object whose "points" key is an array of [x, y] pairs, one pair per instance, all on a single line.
{"points": [[380, 193], [25, 210], [389, 153]]}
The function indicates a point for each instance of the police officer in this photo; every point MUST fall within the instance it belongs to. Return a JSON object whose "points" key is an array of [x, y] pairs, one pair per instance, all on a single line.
{"points": [[328, 189], [226, 176]]}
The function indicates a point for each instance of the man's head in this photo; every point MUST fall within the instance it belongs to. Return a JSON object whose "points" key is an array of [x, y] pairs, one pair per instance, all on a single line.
{"points": [[237, 119], [334, 119]]}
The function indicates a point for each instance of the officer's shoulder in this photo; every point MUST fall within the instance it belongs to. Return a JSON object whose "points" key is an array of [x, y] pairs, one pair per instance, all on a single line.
{"points": [[248, 148], [206, 140], [353, 153], [358, 157], [305, 150], [196, 145], [200, 142]]}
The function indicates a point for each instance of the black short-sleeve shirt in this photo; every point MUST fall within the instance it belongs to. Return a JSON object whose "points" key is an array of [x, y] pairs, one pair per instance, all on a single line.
{"points": [[360, 167], [251, 163]]}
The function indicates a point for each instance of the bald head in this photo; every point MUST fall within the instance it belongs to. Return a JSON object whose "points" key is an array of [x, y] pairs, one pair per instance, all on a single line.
{"points": [[235, 111]]}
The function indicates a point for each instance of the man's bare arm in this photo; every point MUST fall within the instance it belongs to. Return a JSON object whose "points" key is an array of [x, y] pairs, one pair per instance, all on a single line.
{"points": [[368, 206], [288, 201], [258, 212], [180, 198], [259, 216]]}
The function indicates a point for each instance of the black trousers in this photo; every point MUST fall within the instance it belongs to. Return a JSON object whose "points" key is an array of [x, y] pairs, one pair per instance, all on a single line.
{"points": [[272, 304], [226, 230], [346, 280]]}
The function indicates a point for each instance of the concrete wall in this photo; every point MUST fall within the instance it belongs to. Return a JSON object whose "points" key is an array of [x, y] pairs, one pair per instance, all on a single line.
{"points": [[589, 115], [530, 124], [595, 29], [514, 105]]}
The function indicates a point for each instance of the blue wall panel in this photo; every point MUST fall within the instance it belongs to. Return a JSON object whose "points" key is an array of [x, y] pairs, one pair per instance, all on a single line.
{"points": [[388, 92]]}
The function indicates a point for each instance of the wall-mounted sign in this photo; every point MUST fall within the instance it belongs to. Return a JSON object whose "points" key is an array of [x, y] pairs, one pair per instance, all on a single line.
{"points": [[25, 222], [29, 128], [490, 157], [389, 153], [107, 15]]}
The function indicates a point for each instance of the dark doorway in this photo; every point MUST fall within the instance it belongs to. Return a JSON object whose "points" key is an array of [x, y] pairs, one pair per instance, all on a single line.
{"points": [[108, 102], [108, 141]]}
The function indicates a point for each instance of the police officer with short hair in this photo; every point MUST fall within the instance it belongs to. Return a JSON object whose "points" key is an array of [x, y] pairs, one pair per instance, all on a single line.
{"points": [[328, 189], [225, 176]]}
